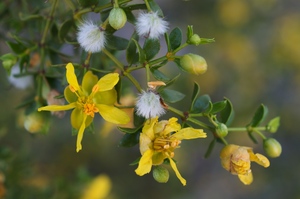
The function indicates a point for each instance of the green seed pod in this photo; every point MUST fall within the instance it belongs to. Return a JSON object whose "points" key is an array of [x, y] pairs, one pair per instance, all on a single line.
{"points": [[221, 130], [195, 40], [117, 18], [193, 64], [160, 174], [272, 147]]}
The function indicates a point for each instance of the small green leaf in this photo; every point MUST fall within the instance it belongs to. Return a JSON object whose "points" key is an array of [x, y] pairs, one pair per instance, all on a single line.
{"points": [[250, 134], [273, 125], [151, 48], [196, 92], [159, 75], [227, 113], [138, 120], [65, 28], [24, 17], [210, 148], [168, 83], [131, 54], [129, 130], [155, 7], [88, 3], [142, 56], [17, 47], [209, 108], [201, 104], [259, 116], [116, 43], [175, 38], [171, 96], [129, 140], [218, 106]]}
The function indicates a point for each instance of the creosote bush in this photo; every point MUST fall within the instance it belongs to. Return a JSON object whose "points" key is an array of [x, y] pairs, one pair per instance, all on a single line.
{"points": [[90, 82]]}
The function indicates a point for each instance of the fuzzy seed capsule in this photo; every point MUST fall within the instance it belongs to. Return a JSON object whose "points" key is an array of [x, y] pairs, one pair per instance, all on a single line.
{"points": [[195, 40], [194, 64], [117, 18]]}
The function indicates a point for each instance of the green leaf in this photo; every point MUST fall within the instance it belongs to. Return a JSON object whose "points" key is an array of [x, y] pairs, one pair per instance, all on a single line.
{"points": [[24, 61], [168, 83], [273, 125], [155, 7], [17, 47], [259, 116], [142, 56], [25, 17], [218, 106], [130, 130], [138, 120], [151, 48], [196, 92], [131, 54], [171, 96], [251, 136], [116, 43], [210, 148], [227, 113], [129, 140], [65, 28], [201, 104], [209, 108], [175, 38], [159, 75], [88, 3]]}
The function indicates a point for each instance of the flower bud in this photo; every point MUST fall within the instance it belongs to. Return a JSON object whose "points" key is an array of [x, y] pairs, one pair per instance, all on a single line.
{"points": [[195, 40], [36, 122], [193, 64], [8, 61], [160, 174], [117, 18], [221, 130], [272, 147]]}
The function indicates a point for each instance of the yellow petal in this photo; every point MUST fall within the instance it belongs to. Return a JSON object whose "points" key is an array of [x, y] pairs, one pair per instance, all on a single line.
{"points": [[246, 179], [158, 158], [69, 95], [113, 114], [71, 77], [174, 167], [108, 81], [189, 133], [99, 188], [106, 97], [145, 143], [145, 163], [166, 127], [57, 107], [149, 127], [259, 159], [88, 82], [226, 154], [80, 135]]}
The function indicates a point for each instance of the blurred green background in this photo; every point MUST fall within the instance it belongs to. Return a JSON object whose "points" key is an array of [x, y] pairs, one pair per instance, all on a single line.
{"points": [[255, 59]]}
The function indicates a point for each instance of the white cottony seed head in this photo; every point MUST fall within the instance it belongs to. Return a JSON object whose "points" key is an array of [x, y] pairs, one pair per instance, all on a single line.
{"points": [[150, 25], [148, 105], [90, 37]]}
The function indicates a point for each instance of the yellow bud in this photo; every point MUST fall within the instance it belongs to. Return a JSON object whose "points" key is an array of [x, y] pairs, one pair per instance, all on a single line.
{"points": [[117, 18], [36, 122], [193, 64], [272, 147], [160, 174]]}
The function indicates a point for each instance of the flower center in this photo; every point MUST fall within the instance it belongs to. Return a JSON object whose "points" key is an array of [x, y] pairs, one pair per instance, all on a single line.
{"points": [[88, 106], [166, 145]]}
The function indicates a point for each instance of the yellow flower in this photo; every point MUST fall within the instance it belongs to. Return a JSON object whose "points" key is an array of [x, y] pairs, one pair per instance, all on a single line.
{"points": [[91, 97], [237, 160], [158, 141]]}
